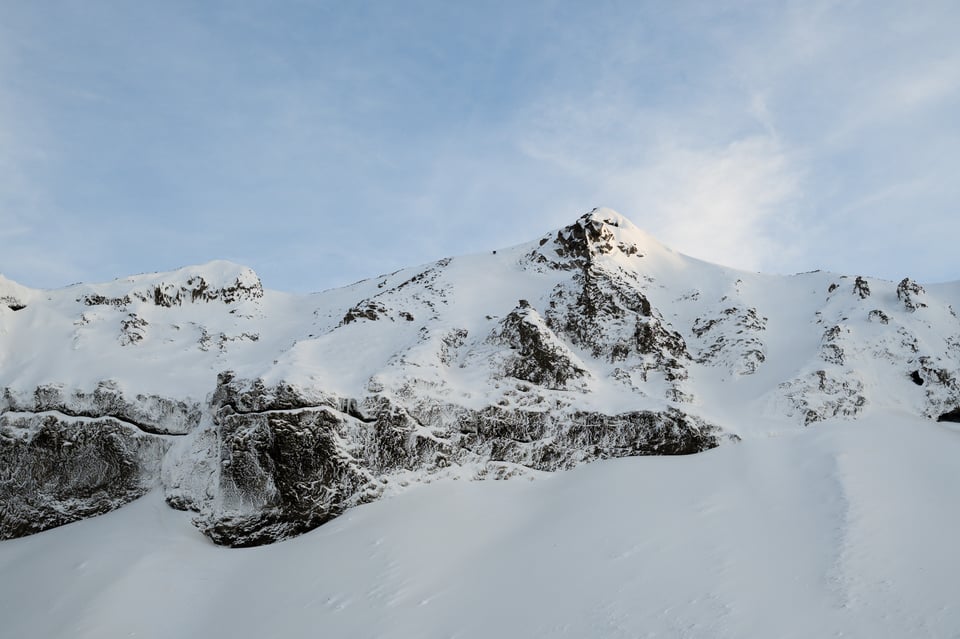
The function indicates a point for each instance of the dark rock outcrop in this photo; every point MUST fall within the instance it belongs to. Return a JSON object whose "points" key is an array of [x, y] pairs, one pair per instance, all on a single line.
{"points": [[611, 320], [734, 337], [368, 310], [861, 288], [540, 358], [950, 416], [446, 382], [55, 469], [541, 441], [288, 462], [907, 292], [281, 474], [830, 349], [193, 289], [821, 395], [197, 289], [149, 413]]}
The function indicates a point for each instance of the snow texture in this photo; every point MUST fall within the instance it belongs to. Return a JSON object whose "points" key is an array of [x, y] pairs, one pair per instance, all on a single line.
{"points": [[268, 414], [823, 505]]}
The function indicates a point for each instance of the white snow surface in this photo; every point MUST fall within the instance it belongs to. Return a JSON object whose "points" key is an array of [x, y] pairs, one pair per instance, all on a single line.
{"points": [[844, 528], [847, 529], [176, 351]]}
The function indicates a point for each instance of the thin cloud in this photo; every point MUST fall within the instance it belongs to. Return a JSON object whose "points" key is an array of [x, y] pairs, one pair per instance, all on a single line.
{"points": [[762, 136], [727, 205]]}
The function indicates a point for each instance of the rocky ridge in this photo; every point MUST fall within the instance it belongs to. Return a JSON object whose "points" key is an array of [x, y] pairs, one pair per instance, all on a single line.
{"points": [[267, 414]]}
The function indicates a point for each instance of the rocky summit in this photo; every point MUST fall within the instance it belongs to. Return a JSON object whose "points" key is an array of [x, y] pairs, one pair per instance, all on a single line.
{"points": [[267, 414]]}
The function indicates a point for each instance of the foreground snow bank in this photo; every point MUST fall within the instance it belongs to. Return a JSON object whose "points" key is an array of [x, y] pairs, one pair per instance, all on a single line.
{"points": [[847, 529]]}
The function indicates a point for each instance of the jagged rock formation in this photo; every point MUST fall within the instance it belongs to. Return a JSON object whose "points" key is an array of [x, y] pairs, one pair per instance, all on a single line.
{"points": [[819, 396], [268, 414], [740, 346], [195, 288], [541, 357], [907, 292], [285, 464], [55, 469], [148, 413], [861, 288]]}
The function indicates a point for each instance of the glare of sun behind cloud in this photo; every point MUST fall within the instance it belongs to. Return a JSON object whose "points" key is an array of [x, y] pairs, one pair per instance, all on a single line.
{"points": [[321, 144], [726, 205], [730, 205]]}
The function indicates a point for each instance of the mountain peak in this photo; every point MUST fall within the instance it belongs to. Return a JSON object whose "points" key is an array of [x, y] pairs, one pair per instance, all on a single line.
{"points": [[604, 216], [601, 231], [290, 409], [217, 280]]}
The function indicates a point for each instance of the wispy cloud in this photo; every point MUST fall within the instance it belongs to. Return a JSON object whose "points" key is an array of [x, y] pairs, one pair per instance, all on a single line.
{"points": [[729, 205], [324, 144]]}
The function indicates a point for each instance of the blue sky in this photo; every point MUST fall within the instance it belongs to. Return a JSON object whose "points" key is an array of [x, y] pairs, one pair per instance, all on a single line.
{"points": [[324, 142]]}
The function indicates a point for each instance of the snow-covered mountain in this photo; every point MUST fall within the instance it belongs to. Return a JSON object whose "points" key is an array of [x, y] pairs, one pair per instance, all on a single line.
{"points": [[267, 414]]}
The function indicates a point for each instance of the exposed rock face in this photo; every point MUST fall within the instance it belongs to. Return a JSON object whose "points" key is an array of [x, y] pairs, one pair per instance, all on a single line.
{"points": [[329, 400], [540, 441], [12, 303], [275, 462], [908, 292], [819, 396], [281, 474], [287, 464], [148, 413], [941, 383], [191, 289], [950, 416], [55, 469], [830, 349], [599, 313], [368, 310], [278, 462], [861, 288], [734, 337], [541, 357], [65, 455]]}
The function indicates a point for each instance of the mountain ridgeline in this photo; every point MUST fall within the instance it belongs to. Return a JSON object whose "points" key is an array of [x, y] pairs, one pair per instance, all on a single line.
{"points": [[267, 414]]}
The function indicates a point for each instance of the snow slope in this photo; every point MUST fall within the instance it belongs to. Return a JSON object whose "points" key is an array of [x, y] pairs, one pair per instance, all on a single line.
{"points": [[823, 505], [170, 334], [846, 529]]}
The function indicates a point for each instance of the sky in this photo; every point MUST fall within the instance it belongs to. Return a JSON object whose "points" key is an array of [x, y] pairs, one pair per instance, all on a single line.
{"points": [[325, 142]]}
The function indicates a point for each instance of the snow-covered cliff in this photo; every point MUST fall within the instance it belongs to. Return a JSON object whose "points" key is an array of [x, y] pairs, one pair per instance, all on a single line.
{"points": [[268, 414]]}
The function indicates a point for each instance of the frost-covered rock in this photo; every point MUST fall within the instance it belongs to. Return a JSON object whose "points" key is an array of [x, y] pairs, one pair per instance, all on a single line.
{"points": [[908, 292], [732, 337], [149, 413], [540, 356], [13, 296], [217, 281], [267, 414], [819, 396], [283, 464], [56, 469], [861, 288]]}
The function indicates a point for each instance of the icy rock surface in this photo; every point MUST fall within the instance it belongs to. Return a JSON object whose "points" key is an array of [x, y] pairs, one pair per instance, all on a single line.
{"points": [[287, 462], [56, 469], [267, 414]]}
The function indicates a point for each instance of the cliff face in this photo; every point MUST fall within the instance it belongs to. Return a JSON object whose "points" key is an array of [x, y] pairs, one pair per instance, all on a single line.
{"points": [[278, 463], [268, 414]]}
